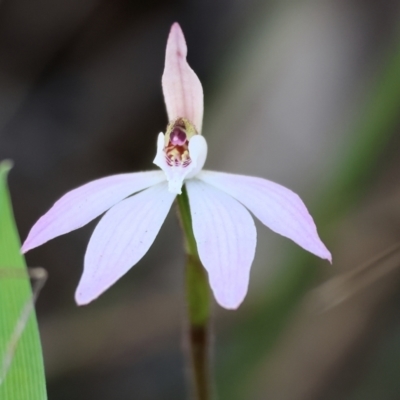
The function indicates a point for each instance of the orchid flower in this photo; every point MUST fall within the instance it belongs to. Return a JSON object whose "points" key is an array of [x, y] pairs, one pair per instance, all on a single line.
{"points": [[220, 203]]}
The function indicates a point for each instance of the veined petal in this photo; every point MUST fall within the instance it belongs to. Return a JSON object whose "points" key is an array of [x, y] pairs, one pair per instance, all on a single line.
{"points": [[226, 240], [122, 237], [176, 174], [182, 89], [79, 206], [274, 205]]}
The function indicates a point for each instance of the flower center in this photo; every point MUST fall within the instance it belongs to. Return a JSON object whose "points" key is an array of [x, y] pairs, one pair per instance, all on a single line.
{"points": [[176, 146], [181, 153], [178, 137], [176, 151]]}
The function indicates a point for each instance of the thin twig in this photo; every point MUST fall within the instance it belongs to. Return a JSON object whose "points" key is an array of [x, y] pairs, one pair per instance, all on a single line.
{"points": [[340, 288]]}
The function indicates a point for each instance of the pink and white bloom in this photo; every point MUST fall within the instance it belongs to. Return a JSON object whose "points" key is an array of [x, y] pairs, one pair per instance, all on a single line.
{"points": [[220, 203]]}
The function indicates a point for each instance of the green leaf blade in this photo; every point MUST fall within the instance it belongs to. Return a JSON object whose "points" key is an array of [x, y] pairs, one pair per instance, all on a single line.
{"points": [[21, 365]]}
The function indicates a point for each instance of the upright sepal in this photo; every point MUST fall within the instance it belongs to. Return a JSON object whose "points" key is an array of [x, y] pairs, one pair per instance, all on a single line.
{"points": [[183, 93]]}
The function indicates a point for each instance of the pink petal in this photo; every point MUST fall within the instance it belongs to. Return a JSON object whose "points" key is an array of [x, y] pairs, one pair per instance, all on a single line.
{"points": [[182, 89], [122, 237], [274, 205], [81, 205], [226, 240]]}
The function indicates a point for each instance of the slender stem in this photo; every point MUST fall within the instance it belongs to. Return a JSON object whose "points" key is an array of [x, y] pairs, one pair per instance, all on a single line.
{"points": [[198, 306]]}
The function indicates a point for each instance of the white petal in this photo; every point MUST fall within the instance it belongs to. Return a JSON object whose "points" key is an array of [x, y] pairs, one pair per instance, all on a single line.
{"points": [[122, 237], [226, 240], [198, 153], [176, 174], [79, 206], [276, 206]]}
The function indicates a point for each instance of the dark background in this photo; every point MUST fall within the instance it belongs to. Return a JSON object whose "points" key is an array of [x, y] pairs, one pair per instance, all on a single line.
{"points": [[305, 93]]}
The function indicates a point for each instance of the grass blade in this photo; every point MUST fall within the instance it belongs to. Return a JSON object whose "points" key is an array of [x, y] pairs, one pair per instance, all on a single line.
{"points": [[21, 362]]}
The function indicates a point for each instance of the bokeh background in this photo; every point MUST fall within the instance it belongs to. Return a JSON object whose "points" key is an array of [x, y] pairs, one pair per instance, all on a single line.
{"points": [[303, 92]]}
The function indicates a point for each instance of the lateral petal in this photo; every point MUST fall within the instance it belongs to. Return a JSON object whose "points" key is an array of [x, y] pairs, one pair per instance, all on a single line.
{"points": [[274, 205], [122, 237], [79, 206], [226, 240], [183, 93]]}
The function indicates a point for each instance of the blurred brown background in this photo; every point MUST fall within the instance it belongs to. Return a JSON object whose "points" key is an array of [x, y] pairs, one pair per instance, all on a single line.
{"points": [[305, 93]]}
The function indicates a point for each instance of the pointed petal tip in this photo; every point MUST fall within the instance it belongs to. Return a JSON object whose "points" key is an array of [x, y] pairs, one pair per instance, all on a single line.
{"points": [[328, 256], [176, 28], [24, 248], [176, 43], [83, 298], [176, 40], [318, 248], [321, 251], [33, 239], [29, 244]]}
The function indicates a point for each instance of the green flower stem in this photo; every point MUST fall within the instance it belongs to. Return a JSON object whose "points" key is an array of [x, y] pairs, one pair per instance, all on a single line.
{"points": [[198, 306]]}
